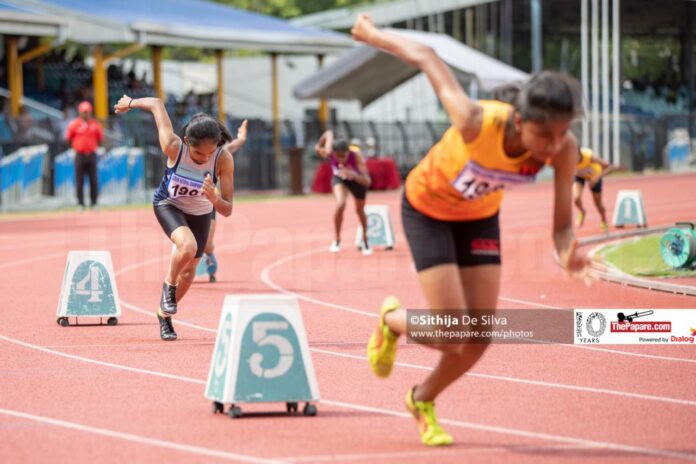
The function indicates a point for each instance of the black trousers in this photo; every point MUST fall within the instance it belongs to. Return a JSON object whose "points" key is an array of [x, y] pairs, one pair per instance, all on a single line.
{"points": [[86, 164]]}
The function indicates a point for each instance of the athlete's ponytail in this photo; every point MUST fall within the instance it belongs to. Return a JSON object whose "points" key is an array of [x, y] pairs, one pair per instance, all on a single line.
{"points": [[546, 96], [205, 127]]}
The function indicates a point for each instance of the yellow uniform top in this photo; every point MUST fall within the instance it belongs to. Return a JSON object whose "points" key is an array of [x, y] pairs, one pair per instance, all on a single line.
{"points": [[459, 181], [585, 168]]}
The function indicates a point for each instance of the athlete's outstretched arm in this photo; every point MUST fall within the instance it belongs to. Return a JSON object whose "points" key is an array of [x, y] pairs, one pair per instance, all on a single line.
{"points": [[237, 143], [169, 141], [464, 113], [221, 202], [564, 240], [324, 145]]}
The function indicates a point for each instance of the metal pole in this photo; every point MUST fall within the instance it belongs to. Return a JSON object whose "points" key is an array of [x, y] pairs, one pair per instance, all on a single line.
{"points": [[100, 85], [691, 79], [537, 57], [605, 81], [275, 104], [14, 72], [616, 76], [584, 71], [595, 75], [220, 86], [157, 71], [323, 103]]}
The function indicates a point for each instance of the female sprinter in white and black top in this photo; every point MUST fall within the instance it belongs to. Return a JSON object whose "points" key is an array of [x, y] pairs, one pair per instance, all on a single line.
{"points": [[185, 199]]}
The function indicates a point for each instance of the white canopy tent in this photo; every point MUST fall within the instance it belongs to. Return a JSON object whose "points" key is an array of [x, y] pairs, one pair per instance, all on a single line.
{"points": [[365, 73]]}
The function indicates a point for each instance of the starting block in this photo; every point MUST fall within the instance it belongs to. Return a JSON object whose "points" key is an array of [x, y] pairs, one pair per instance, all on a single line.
{"points": [[629, 209], [379, 227], [89, 288], [201, 269], [261, 355]]}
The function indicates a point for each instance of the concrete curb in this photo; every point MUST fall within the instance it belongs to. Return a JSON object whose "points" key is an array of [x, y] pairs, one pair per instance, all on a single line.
{"points": [[612, 274]]}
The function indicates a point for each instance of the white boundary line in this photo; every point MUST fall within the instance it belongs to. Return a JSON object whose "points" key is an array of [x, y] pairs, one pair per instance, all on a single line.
{"points": [[266, 279], [341, 404], [170, 445], [539, 383]]}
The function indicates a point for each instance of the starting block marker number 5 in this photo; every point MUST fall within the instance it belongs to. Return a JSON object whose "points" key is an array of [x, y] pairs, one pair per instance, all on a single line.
{"points": [[261, 353]]}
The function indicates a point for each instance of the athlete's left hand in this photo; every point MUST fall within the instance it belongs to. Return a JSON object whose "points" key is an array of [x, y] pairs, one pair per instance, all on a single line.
{"points": [[209, 189]]}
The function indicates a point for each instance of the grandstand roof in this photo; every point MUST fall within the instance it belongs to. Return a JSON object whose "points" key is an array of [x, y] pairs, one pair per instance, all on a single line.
{"points": [[187, 23], [365, 73], [383, 13], [26, 21]]}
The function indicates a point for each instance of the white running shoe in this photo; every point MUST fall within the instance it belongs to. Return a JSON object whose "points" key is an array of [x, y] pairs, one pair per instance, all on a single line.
{"points": [[365, 249], [335, 246]]}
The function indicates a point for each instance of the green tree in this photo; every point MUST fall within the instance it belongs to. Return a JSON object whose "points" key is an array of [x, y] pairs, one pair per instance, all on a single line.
{"points": [[291, 8]]}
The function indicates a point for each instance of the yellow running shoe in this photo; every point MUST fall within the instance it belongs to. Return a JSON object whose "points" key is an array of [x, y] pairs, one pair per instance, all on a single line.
{"points": [[605, 227], [580, 220], [381, 349], [431, 433]]}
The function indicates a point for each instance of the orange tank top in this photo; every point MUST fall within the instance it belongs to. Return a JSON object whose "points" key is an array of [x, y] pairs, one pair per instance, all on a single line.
{"points": [[459, 181]]}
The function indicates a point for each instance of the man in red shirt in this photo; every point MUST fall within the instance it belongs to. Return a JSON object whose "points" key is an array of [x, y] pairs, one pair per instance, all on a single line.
{"points": [[85, 134]]}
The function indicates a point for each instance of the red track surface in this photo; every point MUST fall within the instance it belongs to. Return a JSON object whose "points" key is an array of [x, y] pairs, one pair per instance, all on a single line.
{"points": [[108, 394]]}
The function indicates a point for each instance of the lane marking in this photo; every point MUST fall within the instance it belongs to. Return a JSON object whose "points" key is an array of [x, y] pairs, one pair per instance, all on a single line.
{"points": [[342, 404]]}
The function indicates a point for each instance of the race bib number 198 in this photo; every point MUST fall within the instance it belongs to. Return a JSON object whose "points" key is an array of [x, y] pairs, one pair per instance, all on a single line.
{"points": [[181, 186]]}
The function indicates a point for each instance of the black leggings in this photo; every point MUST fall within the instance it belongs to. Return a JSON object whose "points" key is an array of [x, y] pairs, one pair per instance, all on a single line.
{"points": [[86, 164], [171, 218]]}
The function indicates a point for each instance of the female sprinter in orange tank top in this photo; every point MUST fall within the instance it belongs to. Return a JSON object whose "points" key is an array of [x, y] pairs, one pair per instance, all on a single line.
{"points": [[451, 202]]}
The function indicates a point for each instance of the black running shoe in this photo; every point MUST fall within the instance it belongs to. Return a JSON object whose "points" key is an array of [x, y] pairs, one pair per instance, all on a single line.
{"points": [[168, 299], [166, 328]]}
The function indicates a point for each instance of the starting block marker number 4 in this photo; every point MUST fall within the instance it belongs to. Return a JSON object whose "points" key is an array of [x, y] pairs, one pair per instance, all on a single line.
{"points": [[89, 287], [379, 227], [261, 353]]}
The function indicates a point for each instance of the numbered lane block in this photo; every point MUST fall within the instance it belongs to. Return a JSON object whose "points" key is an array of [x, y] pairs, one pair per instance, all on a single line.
{"points": [[89, 288], [261, 355], [379, 227], [202, 268], [629, 209]]}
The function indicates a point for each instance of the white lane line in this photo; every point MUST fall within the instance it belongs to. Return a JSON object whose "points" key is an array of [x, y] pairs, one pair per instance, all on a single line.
{"points": [[387, 412], [432, 453], [170, 445], [526, 434], [537, 383], [266, 279]]}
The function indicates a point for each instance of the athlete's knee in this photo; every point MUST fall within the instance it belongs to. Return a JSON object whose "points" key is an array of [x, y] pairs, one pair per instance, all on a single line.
{"points": [[187, 249], [340, 207]]}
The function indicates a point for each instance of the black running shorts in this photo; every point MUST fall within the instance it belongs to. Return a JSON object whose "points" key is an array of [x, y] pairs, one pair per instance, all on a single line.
{"points": [[434, 242], [171, 218], [597, 187], [358, 190]]}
